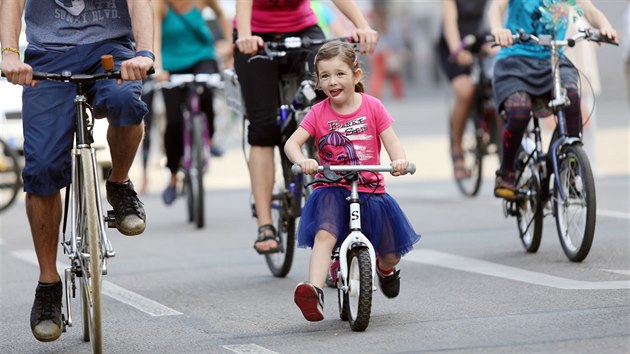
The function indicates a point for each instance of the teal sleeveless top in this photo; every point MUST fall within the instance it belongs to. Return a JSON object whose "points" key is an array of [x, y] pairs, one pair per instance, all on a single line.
{"points": [[536, 17], [186, 40]]}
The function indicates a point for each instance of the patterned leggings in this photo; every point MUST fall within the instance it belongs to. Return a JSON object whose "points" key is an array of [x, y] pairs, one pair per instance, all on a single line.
{"points": [[518, 108]]}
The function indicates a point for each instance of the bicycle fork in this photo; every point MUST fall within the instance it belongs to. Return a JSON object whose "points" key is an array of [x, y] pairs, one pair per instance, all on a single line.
{"points": [[71, 247], [355, 239]]}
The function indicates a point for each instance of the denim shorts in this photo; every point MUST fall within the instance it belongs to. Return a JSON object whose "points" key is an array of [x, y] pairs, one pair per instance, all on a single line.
{"points": [[49, 111]]}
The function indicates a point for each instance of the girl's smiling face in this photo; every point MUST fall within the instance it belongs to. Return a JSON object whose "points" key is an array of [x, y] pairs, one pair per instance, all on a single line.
{"points": [[337, 80]]}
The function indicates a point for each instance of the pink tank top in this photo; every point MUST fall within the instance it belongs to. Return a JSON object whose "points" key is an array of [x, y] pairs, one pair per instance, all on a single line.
{"points": [[281, 16]]}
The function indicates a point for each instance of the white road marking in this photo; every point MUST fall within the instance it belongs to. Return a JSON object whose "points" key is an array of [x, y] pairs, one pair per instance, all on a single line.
{"points": [[248, 348], [472, 265], [112, 290], [613, 214], [618, 271]]}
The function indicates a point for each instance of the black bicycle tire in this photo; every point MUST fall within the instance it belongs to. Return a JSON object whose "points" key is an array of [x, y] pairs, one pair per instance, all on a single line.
{"points": [[581, 251], [530, 229], [285, 222], [189, 198], [360, 320], [197, 165], [16, 182], [470, 186], [91, 280]]}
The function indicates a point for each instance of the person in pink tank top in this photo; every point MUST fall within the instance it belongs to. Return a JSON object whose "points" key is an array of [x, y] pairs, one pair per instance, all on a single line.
{"points": [[258, 21]]}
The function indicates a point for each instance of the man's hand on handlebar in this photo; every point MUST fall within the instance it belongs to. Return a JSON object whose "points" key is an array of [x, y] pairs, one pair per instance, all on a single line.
{"points": [[16, 72], [136, 68]]}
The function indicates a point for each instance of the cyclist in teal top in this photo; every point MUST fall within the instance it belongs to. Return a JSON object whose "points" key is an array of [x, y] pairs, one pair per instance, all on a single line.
{"points": [[187, 46], [521, 79]]}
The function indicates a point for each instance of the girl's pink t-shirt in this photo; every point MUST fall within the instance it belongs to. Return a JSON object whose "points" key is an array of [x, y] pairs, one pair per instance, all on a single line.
{"points": [[281, 16], [350, 139]]}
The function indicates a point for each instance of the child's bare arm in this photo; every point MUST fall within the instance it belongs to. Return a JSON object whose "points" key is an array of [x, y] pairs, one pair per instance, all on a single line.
{"points": [[395, 151], [294, 152]]}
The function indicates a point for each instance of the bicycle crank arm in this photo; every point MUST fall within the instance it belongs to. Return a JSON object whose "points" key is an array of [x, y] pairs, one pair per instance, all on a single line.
{"points": [[69, 285]]}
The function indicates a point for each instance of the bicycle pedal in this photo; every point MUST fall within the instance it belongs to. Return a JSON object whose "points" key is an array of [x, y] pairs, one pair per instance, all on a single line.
{"points": [[110, 219]]}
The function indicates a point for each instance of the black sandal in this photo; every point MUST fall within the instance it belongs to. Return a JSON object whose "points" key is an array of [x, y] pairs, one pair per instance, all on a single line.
{"points": [[262, 237]]}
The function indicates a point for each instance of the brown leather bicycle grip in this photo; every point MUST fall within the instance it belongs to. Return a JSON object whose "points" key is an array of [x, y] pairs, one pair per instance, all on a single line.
{"points": [[107, 61]]}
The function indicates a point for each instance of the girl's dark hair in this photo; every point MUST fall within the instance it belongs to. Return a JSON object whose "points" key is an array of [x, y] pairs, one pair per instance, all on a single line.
{"points": [[345, 51]]}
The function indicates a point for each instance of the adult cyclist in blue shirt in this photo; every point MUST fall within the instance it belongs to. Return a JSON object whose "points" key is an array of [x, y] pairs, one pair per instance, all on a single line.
{"points": [[73, 35]]}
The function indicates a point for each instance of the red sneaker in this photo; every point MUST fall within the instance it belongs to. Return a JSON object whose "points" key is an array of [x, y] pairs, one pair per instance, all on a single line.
{"points": [[310, 300]]}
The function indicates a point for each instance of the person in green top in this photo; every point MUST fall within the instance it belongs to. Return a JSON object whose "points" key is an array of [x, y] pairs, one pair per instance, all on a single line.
{"points": [[185, 45]]}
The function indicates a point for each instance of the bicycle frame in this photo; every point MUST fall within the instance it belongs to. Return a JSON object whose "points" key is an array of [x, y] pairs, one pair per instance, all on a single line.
{"points": [[83, 140]]}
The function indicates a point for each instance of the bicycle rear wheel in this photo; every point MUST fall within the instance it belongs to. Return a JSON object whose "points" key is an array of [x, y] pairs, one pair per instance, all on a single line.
{"points": [[90, 251], [359, 295], [10, 179], [529, 210], [473, 158], [280, 263], [575, 214]]}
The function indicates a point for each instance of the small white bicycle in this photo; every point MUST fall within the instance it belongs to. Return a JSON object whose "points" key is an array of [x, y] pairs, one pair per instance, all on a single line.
{"points": [[354, 277]]}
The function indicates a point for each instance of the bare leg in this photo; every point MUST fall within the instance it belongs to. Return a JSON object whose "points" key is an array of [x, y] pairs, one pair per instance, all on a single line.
{"points": [[463, 89], [44, 217], [320, 258], [261, 174], [123, 144], [388, 261]]}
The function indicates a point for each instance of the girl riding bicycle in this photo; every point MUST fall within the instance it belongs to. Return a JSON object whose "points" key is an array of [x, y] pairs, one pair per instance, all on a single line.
{"points": [[521, 74], [348, 127]]}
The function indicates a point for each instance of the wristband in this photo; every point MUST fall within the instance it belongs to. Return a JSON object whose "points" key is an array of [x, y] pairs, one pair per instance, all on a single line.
{"points": [[146, 53]]}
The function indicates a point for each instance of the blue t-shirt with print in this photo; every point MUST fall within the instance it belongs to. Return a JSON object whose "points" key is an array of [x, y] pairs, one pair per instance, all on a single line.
{"points": [[62, 24]]}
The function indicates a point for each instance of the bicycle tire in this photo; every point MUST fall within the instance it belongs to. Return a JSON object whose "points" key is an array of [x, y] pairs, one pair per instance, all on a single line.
{"points": [[529, 216], [90, 254], [284, 221], [359, 294], [473, 158], [196, 170], [10, 179], [576, 214]]}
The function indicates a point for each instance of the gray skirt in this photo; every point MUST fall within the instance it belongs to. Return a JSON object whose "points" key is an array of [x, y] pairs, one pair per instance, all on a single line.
{"points": [[518, 73]]}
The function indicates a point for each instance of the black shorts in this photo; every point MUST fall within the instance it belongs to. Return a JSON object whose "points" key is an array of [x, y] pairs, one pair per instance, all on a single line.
{"points": [[259, 86]]}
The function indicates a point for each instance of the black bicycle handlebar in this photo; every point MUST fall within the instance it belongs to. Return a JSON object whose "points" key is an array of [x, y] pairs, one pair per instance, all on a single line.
{"points": [[67, 76], [278, 48]]}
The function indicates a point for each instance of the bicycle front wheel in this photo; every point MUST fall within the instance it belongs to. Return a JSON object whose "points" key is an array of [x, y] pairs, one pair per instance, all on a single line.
{"points": [[472, 158], [89, 245], [575, 213], [10, 180], [359, 294], [194, 180]]}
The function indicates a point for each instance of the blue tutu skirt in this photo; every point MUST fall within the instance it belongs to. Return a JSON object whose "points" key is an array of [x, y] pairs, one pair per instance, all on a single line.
{"points": [[382, 220]]}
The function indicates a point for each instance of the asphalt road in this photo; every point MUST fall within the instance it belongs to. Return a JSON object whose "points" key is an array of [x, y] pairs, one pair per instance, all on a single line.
{"points": [[468, 286]]}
